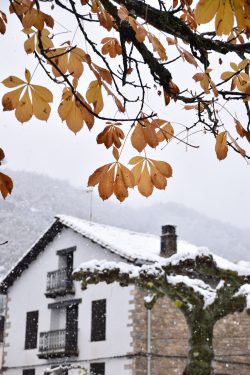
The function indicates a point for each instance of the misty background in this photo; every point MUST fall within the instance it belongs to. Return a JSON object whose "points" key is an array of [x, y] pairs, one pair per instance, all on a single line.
{"points": [[208, 200], [37, 199]]}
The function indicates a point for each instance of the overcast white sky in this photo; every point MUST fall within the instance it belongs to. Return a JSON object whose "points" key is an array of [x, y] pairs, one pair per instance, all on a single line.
{"points": [[200, 181]]}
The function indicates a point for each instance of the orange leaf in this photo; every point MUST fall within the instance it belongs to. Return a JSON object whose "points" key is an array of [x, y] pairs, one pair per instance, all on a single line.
{"points": [[240, 130], [6, 185], [120, 189], [24, 110], [136, 170], [106, 184], [94, 96], [95, 178], [136, 159], [10, 100], [158, 180], [164, 168], [145, 185], [221, 147], [111, 46], [115, 153], [12, 81], [128, 177], [137, 138]]}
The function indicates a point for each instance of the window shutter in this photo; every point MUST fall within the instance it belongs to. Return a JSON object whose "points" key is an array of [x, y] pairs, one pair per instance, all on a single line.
{"points": [[98, 320], [31, 330], [97, 368], [30, 371], [1, 328], [71, 328]]}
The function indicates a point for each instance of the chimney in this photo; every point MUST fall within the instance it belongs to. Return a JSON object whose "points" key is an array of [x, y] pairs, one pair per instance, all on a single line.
{"points": [[168, 241]]}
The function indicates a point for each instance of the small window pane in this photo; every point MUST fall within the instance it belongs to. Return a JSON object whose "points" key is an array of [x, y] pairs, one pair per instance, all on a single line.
{"points": [[98, 320], [97, 368]]}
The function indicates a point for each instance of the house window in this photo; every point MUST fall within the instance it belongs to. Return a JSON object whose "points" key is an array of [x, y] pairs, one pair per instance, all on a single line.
{"points": [[97, 368], [98, 320], [30, 371], [31, 330]]}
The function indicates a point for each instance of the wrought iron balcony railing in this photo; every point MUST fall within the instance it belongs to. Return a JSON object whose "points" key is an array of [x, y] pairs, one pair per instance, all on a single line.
{"points": [[57, 343], [59, 283]]}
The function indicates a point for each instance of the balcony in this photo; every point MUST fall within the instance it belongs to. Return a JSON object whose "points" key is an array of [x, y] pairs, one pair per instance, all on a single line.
{"points": [[56, 344], [59, 283]]}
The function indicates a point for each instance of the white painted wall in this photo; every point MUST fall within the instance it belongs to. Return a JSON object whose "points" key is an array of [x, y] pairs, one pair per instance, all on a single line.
{"points": [[27, 294]]}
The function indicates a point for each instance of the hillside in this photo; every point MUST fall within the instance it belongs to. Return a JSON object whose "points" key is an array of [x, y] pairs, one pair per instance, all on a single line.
{"points": [[36, 199]]}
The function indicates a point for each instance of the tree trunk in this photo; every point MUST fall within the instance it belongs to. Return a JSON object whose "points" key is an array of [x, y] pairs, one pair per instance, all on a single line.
{"points": [[201, 353]]}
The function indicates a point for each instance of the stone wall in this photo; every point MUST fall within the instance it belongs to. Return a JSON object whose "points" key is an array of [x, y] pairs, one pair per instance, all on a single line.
{"points": [[168, 344], [169, 340], [232, 345]]}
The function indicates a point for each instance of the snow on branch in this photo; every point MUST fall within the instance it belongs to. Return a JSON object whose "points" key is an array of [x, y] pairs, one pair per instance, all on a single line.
{"points": [[61, 369], [197, 277]]}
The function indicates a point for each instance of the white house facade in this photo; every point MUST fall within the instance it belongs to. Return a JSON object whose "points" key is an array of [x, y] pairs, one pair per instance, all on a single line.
{"points": [[50, 320]]}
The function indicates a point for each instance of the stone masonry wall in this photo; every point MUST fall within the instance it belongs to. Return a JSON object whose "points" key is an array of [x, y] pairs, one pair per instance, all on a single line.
{"points": [[169, 340], [232, 345], [169, 334]]}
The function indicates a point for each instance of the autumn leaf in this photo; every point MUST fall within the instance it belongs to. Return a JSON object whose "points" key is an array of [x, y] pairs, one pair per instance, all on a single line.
{"points": [[166, 130], [12, 81], [106, 20], [144, 134], [187, 56], [67, 59], [111, 47], [111, 135], [145, 185], [224, 12], [10, 100], [163, 167], [116, 100], [150, 173], [158, 180], [106, 184], [203, 79], [128, 177], [32, 43], [221, 147], [33, 101], [24, 110], [104, 73], [36, 18], [157, 46], [73, 112], [94, 96], [95, 178], [240, 79], [6, 185], [112, 178], [2, 155], [3, 22], [137, 138], [239, 128], [120, 189]]}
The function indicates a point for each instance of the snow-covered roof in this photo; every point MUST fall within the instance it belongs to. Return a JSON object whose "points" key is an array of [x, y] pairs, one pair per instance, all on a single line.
{"points": [[126, 243], [130, 245], [133, 246]]}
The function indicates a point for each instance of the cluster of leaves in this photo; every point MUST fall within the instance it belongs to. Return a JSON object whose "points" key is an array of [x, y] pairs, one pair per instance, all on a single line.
{"points": [[115, 178], [139, 35]]}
